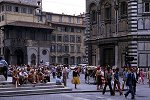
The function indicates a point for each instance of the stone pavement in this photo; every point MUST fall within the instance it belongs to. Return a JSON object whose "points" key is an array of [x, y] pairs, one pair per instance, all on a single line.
{"points": [[82, 87], [143, 91], [84, 92]]}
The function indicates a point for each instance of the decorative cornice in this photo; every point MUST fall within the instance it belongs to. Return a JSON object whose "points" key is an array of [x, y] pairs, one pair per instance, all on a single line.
{"points": [[115, 40]]}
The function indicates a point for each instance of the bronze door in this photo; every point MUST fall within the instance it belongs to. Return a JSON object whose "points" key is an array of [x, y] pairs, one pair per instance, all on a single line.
{"points": [[108, 56]]}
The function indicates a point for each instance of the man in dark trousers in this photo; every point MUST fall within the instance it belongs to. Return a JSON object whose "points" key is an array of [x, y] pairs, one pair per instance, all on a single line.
{"points": [[108, 78], [5, 67], [136, 79], [131, 81]]}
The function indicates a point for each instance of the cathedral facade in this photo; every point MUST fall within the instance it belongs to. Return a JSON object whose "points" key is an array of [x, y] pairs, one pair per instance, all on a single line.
{"points": [[118, 30]]}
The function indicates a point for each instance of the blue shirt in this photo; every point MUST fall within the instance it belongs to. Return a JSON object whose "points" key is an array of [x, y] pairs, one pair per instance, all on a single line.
{"points": [[116, 76]]}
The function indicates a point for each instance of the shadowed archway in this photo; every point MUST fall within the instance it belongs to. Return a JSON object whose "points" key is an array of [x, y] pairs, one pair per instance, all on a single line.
{"points": [[19, 56], [33, 59], [7, 55]]}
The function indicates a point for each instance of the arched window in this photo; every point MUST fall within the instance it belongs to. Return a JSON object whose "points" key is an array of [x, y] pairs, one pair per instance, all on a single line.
{"points": [[123, 9], [147, 23], [102, 30], [140, 24], [107, 12], [38, 3], [33, 59], [93, 15], [146, 6], [125, 25]]}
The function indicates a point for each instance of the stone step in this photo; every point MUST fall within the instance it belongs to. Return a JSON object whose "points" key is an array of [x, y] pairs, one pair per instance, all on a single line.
{"points": [[30, 88], [9, 89], [9, 84], [33, 91], [5, 82]]}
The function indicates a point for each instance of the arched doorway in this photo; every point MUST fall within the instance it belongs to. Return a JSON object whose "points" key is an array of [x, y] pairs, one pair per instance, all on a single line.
{"points": [[19, 57], [33, 59]]}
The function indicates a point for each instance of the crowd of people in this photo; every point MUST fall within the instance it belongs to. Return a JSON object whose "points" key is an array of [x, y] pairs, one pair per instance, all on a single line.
{"points": [[103, 76], [110, 76], [37, 74], [25, 74]]}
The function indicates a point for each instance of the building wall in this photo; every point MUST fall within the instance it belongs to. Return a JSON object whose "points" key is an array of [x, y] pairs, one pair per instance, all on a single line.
{"points": [[129, 31], [68, 26], [33, 44], [143, 27], [38, 53], [32, 50], [10, 15], [44, 55], [29, 2]]}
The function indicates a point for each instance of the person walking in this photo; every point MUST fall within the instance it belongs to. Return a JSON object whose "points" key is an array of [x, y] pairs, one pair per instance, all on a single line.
{"points": [[54, 72], [5, 67], [64, 75], [125, 74], [116, 81], [59, 72], [142, 76], [108, 78], [99, 78], [75, 79], [68, 70], [130, 83], [136, 79], [148, 76], [86, 77]]}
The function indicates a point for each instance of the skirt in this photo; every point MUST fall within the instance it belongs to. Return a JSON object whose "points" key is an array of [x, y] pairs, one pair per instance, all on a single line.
{"points": [[75, 80], [99, 80]]}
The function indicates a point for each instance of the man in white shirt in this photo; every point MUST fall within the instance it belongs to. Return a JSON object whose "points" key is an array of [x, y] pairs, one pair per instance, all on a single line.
{"points": [[23, 76], [65, 75]]}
